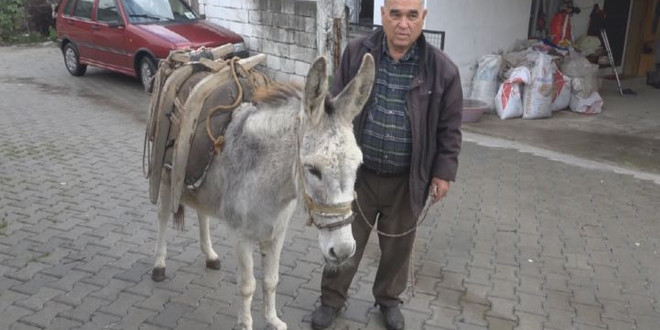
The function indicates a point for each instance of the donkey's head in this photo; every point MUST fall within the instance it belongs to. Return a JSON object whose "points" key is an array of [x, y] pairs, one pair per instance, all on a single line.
{"points": [[330, 156]]}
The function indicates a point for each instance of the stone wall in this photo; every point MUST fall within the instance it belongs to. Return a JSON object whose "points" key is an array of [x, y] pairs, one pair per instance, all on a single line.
{"points": [[285, 30]]}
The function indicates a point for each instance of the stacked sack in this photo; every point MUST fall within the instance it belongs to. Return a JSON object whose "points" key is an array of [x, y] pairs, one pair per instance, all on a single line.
{"points": [[537, 98], [584, 93], [534, 86], [508, 101], [562, 89], [485, 81]]}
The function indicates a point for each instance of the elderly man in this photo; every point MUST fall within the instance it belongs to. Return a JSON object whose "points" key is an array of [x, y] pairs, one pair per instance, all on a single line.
{"points": [[410, 137]]}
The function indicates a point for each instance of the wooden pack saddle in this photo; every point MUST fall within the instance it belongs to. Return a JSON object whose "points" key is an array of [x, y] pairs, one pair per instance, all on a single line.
{"points": [[193, 95]]}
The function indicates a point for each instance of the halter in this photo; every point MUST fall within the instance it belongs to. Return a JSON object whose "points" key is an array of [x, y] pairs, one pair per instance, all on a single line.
{"points": [[315, 208], [327, 210]]}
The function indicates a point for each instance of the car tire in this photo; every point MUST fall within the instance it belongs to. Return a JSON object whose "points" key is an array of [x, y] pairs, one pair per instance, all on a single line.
{"points": [[147, 70], [72, 60]]}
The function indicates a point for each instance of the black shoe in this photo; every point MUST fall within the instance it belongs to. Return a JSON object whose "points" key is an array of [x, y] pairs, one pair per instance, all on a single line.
{"points": [[393, 318], [323, 316]]}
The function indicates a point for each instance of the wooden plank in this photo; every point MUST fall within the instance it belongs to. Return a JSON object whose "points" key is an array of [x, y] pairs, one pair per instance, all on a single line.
{"points": [[218, 53], [166, 103]]}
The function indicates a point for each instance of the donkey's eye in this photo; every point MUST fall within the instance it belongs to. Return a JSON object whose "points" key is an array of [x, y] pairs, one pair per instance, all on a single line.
{"points": [[314, 171]]}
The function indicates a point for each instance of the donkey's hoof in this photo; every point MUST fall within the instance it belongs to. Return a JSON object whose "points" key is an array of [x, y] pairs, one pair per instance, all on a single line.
{"points": [[242, 326], [213, 264], [158, 274], [276, 325]]}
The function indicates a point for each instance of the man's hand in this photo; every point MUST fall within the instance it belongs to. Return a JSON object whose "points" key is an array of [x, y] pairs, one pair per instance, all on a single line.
{"points": [[439, 189]]}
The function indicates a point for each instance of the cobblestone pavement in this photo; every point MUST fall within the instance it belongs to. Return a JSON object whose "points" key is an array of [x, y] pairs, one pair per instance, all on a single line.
{"points": [[522, 242]]}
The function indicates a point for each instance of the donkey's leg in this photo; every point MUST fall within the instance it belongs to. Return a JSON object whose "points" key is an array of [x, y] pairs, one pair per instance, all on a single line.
{"points": [[212, 260], [271, 251], [164, 215], [246, 282]]}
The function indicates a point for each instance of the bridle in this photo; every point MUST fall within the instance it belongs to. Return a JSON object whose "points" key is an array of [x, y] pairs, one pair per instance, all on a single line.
{"points": [[315, 208], [327, 211]]}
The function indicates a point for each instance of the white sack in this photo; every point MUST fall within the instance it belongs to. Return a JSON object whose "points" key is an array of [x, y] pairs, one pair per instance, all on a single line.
{"points": [[537, 97], [508, 101], [485, 82], [591, 105], [561, 92]]}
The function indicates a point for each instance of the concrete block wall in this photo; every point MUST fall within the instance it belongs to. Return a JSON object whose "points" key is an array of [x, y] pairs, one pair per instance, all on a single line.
{"points": [[284, 30]]}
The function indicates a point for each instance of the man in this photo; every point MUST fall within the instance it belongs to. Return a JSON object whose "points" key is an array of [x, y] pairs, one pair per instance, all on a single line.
{"points": [[409, 133]]}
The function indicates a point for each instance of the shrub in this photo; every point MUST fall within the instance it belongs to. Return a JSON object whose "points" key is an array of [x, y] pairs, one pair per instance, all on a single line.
{"points": [[25, 20], [12, 15]]}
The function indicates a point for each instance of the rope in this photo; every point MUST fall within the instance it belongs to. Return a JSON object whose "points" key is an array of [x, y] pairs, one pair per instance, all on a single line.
{"points": [[219, 141], [420, 221]]}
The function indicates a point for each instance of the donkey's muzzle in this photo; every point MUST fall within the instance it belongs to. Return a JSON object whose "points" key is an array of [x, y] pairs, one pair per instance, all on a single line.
{"points": [[339, 254]]}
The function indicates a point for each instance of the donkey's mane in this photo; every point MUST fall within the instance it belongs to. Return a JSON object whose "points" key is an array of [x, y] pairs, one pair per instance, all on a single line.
{"points": [[277, 92]]}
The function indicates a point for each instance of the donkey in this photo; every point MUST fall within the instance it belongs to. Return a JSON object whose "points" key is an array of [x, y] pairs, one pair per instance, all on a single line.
{"points": [[288, 144]]}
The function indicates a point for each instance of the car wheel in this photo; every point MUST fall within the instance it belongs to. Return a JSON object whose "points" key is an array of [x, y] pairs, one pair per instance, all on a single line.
{"points": [[72, 61], [147, 70]]}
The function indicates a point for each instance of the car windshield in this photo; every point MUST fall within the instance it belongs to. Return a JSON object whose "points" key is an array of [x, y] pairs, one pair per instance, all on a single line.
{"points": [[150, 11]]}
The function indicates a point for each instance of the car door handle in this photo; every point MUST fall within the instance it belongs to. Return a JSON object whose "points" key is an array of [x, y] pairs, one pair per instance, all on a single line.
{"points": [[95, 26]]}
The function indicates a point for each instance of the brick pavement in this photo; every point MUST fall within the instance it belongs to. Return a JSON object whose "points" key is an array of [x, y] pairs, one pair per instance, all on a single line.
{"points": [[522, 242]]}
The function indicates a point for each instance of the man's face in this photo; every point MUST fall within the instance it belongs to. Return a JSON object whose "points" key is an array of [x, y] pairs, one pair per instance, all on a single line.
{"points": [[403, 21]]}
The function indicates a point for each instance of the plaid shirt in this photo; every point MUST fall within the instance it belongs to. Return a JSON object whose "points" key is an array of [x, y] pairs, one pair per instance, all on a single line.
{"points": [[387, 136]]}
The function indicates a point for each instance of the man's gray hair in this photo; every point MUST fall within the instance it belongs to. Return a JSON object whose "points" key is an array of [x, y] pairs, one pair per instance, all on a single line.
{"points": [[423, 3]]}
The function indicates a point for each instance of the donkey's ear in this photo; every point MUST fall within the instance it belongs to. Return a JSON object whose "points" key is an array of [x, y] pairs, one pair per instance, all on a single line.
{"points": [[356, 94], [316, 88]]}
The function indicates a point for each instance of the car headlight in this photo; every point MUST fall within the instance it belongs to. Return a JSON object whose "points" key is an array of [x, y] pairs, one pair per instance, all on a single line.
{"points": [[239, 47]]}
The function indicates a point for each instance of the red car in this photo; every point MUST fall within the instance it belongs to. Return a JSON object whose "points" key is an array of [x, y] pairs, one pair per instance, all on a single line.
{"points": [[131, 36]]}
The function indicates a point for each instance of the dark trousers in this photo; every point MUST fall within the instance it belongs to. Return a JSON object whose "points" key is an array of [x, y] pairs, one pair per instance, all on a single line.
{"points": [[389, 199]]}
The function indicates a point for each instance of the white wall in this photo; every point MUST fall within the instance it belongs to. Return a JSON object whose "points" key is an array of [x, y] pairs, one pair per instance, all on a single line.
{"points": [[284, 30], [474, 28]]}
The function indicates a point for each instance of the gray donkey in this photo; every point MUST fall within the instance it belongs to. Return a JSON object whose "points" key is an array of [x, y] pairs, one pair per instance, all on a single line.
{"points": [[288, 144]]}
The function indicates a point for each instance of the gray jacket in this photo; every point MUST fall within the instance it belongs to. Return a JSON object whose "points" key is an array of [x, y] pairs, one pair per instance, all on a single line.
{"points": [[435, 105]]}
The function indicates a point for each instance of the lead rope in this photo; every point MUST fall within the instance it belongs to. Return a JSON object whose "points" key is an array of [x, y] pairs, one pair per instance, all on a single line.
{"points": [[420, 220]]}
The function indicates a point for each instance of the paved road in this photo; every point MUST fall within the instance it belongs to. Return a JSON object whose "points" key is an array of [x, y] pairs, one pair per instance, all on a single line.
{"points": [[522, 242]]}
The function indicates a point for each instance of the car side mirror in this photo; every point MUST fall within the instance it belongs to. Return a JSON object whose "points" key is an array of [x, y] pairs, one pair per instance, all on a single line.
{"points": [[115, 24], [202, 16]]}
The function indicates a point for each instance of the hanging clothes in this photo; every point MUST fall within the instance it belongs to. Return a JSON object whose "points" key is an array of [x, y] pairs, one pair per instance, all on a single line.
{"points": [[561, 28], [541, 21], [596, 21]]}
